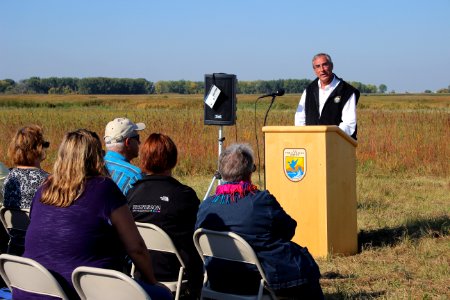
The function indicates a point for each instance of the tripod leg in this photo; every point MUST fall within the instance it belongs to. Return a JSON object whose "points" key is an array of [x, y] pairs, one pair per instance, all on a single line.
{"points": [[217, 174], [210, 187]]}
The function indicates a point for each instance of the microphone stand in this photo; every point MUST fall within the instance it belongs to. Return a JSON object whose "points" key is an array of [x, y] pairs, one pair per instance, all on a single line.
{"points": [[264, 138], [267, 111]]}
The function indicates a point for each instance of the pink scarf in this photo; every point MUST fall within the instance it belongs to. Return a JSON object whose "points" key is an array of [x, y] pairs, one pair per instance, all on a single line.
{"points": [[233, 191]]}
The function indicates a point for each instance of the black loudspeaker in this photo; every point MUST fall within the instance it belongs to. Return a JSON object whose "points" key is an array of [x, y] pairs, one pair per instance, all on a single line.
{"points": [[223, 111]]}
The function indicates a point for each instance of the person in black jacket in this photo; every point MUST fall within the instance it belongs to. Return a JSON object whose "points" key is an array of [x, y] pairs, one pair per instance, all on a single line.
{"points": [[328, 100], [160, 199], [257, 217]]}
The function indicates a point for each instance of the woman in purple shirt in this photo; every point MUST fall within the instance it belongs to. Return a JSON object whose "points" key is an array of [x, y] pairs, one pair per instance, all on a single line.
{"points": [[79, 217]]}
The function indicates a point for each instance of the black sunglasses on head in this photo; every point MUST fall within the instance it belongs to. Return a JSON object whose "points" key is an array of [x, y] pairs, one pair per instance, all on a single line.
{"points": [[136, 137]]}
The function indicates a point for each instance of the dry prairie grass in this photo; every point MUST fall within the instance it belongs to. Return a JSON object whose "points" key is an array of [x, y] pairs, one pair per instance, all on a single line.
{"points": [[403, 174]]}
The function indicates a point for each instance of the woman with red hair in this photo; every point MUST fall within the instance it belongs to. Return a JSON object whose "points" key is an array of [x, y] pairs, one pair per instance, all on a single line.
{"points": [[160, 199]]}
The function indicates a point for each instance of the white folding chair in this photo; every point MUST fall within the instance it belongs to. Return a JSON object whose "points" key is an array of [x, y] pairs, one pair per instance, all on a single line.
{"points": [[157, 239], [99, 284], [15, 221], [229, 246], [30, 276]]}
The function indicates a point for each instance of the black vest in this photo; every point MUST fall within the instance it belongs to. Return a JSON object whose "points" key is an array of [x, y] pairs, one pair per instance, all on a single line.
{"points": [[332, 109]]}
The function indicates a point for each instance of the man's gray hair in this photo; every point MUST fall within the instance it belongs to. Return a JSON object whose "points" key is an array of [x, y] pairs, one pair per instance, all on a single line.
{"points": [[116, 147], [236, 162], [322, 54]]}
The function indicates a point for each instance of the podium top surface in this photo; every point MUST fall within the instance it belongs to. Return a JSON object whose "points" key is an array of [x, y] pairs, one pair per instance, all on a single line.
{"points": [[311, 129]]}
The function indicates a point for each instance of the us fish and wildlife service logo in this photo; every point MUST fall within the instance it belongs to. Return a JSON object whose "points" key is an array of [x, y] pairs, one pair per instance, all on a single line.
{"points": [[295, 164]]}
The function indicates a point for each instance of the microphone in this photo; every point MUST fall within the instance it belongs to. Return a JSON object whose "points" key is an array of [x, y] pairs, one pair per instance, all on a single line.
{"points": [[279, 92]]}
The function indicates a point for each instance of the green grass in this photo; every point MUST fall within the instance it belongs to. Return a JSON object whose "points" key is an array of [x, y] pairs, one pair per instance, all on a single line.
{"points": [[403, 174], [404, 243]]}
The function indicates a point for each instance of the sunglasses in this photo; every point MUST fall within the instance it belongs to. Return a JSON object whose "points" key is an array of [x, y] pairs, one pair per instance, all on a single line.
{"points": [[136, 137]]}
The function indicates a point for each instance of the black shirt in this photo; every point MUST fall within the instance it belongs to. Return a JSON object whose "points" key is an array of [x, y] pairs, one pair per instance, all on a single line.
{"points": [[167, 203]]}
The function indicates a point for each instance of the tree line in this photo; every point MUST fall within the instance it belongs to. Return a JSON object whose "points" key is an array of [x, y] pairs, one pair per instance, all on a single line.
{"points": [[69, 85], [128, 86]]}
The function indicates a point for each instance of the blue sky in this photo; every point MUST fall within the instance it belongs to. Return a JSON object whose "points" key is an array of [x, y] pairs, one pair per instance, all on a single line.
{"points": [[403, 44]]}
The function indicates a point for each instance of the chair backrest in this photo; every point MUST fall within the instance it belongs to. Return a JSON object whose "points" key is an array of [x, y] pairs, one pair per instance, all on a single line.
{"points": [[98, 284], [228, 246], [225, 245], [157, 239], [29, 275], [15, 218]]}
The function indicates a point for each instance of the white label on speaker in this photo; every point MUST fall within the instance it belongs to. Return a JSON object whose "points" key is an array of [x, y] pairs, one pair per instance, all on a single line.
{"points": [[213, 94]]}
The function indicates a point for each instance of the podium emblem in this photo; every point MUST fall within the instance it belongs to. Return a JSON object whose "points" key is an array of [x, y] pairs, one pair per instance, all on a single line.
{"points": [[295, 164]]}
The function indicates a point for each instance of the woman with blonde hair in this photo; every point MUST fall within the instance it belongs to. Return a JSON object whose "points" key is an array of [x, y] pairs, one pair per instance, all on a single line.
{"points": [[27, 151], [79, 217]]}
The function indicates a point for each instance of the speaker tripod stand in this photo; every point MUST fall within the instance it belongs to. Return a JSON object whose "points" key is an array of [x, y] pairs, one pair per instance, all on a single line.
{"points": [[217, 175]]}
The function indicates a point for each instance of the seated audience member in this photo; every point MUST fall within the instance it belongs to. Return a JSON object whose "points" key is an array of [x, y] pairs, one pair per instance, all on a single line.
{"points": [[3, 173], [256, 216], [4, 238], [79, 217], [122, 142], [160, 199], [27, 151]]}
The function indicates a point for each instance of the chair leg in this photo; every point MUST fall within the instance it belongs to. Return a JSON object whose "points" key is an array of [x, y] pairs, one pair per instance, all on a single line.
{"points": [[180, 280], [8, 249]]}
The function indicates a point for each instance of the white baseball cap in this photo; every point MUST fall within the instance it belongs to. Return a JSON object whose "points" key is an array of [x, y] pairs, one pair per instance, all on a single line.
{"points": [[121, 128]]}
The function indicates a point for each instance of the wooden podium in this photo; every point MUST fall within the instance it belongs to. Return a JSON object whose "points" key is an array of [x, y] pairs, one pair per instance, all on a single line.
{"points": [[311, 170]]}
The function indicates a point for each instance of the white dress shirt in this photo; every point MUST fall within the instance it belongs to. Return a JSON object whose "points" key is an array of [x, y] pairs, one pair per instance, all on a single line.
{"points": [[348, 123]]}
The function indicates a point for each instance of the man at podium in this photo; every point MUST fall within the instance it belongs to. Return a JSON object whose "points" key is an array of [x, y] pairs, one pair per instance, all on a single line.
{"points": [[328, 100]]}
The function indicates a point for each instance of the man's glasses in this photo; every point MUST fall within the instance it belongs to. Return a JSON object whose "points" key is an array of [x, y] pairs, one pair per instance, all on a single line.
{"points": [[136, 137]]}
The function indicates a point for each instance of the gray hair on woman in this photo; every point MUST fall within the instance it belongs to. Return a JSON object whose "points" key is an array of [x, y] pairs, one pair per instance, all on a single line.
{"points": [[236, 163]]}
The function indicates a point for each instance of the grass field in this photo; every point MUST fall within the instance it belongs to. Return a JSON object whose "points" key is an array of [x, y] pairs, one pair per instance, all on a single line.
{"points": [[403, 174]]}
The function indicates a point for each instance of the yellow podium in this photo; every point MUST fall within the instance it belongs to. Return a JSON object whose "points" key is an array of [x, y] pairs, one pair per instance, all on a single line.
{"points": [[311, 170]]}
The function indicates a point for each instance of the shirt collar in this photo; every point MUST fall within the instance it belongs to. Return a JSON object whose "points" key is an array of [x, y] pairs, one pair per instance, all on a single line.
{"points": [[115, 155], [332, 84]]}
